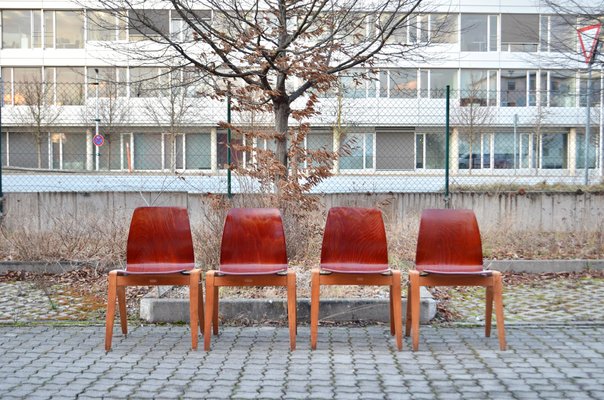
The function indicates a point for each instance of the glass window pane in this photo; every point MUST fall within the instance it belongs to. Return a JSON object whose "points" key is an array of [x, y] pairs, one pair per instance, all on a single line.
{"points": [[145, 23], [580, 154], [27, 85], [513, 88], [37, 29], [419, 150], [473, 32], [435, 151], [222, 144], [369, 150], [554, 151], [70, 30], [519, 32], [562, 89], [351, 151], [49, 29], [101, 25], [70, 86], [439, 79], [16, 29], [403, 83], [74, 151], [493, 32], [443, 28], [24, 150], [198, 151], [147, 151], [503, 157]]}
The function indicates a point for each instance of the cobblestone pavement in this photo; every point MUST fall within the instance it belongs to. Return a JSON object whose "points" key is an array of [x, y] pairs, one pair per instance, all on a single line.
{"points": [[543, 362], [550, 300]]}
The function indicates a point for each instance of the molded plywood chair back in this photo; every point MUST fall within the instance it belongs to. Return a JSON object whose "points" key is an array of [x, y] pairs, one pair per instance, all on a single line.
{"points": [[253, 242], [160, 241], [354, 241], [448, 241], [449, 253], [355, 252], [159, 252], [252, 253]]}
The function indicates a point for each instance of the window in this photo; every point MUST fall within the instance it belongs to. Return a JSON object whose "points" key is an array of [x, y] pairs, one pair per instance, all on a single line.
{"points": [[69, 30], [70, 85], [527, 150], [438, 81], [73, 150], [26, 85], [518, 88], [478, 32], [104, 26], [561, 88], [474, 150], [443, 28], [554, 150], [356, 151], [504, 156], [398, 83], [181, 31], [478, 87], [222, 150], [595, 88], [24, 152], [430, 150], [113, 155], [519, 32], [580, 153], [21, 29], [49, 29], [197, 151], [558, 33], [148, 24], [353, 86], [112, 82], [147, 152], [146, 82], [394, 148], [387, 21]]}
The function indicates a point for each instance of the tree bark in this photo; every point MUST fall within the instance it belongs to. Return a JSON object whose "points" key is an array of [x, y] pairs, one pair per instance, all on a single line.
{"points": [[281, 111]]}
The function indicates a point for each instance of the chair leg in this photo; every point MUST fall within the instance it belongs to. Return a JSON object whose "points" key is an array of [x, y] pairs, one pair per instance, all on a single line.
{"points": [[488, 313], [121, 301], [314, 306], [291, 308], [498, 298], [110, 316], [414, 289], [396, 309], [200, 308], [392, 330], [207, 335], [215, 311], [193, 304], [408, 313]]}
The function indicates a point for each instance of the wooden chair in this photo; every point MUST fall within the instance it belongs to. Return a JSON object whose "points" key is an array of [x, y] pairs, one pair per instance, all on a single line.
{"points": [[252, 253], [449, 253], [159, 252], [355, 252]]}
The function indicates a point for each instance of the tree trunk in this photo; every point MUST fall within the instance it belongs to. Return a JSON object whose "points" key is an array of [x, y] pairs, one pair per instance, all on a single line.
{"points": [[281, 111], [39, 150]]}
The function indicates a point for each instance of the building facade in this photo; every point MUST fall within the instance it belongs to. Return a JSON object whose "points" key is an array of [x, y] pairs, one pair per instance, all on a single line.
{"points": [[518, 96]]}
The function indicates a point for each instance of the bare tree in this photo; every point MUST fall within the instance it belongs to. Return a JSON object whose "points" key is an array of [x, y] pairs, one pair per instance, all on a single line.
{"points": [[277, 55], [473, 116], [36, 110]]}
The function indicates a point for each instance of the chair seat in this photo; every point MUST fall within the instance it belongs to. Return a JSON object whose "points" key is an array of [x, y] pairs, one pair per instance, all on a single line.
{"points": [[252, 269], [165, 272], [153, 268], [355, 268], [452, 273]]}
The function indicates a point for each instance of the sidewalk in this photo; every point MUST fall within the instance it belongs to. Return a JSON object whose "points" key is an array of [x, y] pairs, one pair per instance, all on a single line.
{"points": [[543, 362]]}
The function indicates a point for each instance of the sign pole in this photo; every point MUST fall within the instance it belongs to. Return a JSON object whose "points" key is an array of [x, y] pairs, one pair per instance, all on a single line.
{"points": [[587, 125], [96, 120]]}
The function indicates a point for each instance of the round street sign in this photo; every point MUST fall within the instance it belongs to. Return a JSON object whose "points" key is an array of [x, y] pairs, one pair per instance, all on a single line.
{"points": [[98, 140]]}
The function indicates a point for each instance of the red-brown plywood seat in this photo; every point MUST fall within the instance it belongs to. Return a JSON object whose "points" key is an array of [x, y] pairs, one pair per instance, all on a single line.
{"points": [[449, 253], [252, 253], [159, 252], [355, 252]]}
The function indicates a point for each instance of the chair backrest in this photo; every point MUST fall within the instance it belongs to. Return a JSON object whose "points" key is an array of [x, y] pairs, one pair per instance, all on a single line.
{"points": [[449, 241], [354, 241], [160, 241], [253, 242]]}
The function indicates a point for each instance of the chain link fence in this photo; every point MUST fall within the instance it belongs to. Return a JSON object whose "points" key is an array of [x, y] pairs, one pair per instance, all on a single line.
{"points": [[110, 137]]}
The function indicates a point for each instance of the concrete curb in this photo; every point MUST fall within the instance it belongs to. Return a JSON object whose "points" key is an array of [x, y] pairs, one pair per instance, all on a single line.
{"points": [[153, 309]]}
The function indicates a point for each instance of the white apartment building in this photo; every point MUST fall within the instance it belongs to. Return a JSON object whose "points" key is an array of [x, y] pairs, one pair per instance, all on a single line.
{"points": [[507, 61]]}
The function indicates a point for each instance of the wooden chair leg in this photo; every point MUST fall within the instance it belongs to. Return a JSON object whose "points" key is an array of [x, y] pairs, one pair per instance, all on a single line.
{"points": [[408, 312], [488, 313], [392, 330], [396, 309], [110, 315], [207, 335], [315, 289], [498, 298], [193, 304], [121, 301], [291, 308], [415, 300], [200, 307], [215, 310]]}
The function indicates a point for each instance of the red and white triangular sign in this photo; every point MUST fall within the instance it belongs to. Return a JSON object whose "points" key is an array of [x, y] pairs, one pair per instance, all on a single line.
{"points": [[588, 37]]}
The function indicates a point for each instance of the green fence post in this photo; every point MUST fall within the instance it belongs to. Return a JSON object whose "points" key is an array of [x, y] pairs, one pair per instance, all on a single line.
{"points": [[229, 193], [447, 199]]}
